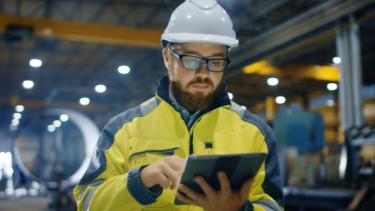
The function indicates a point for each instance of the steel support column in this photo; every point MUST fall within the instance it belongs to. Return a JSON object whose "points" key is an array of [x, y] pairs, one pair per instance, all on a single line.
{"points": [[349, 50]]}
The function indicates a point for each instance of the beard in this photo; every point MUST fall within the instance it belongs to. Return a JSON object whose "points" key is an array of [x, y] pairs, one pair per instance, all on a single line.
{"points": [[193, 101]]}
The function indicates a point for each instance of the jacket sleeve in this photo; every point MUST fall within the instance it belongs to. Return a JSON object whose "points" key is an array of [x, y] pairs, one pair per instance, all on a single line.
{"points": [[107, 184], [266, 192]]}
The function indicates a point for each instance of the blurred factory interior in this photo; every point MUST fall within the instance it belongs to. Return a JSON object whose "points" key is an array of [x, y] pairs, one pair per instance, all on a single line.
{"points": [[305, 66]]}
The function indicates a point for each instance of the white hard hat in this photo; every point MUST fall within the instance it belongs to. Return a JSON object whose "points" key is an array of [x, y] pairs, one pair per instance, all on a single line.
{"points": [[203, 21]]}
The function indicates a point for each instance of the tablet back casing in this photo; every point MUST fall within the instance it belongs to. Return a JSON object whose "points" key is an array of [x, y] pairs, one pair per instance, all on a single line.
{"points": [[238, 167]]}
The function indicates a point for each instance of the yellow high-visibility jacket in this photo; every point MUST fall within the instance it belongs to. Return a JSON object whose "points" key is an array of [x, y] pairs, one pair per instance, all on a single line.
{"points": [[155, 129]]}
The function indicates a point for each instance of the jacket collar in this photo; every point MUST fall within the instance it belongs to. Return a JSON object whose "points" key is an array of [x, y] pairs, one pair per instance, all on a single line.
{"points": [[221, 98]]}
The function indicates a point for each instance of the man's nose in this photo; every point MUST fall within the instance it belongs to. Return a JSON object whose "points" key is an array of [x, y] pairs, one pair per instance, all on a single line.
{"points": [[203, 71]]}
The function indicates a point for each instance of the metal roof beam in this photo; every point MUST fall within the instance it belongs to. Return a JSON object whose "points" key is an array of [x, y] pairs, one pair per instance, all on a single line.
{"points": [[314, 72], [292, 31], [87, 32]]}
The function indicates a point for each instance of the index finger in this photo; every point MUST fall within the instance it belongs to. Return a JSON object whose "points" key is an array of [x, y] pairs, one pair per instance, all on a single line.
{"points": [[176, 163]]}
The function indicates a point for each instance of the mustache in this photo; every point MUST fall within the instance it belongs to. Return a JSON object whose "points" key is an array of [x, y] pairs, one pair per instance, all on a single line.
{"points": [[201, 81]]}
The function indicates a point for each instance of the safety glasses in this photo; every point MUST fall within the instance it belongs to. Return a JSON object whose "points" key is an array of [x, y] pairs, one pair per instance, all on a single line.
{"points": [[195, 62]]}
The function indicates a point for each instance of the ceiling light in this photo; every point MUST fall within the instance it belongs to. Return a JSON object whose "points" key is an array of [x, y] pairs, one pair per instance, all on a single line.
{"points": [[230, 95], [332, 86], [51, 128], [280, 99], [35, 63], [336, 60], [84, 101], [330, 103], [100, 88], [28, 84], [17, 116], [123, 69], [272, 81], [12, 127], [56, 123], [15, 122], [64, 117], [20, 108]]}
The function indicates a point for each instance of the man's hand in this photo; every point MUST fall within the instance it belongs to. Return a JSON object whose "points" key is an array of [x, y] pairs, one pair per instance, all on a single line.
{"points": [[165, 172], [224, 199]]}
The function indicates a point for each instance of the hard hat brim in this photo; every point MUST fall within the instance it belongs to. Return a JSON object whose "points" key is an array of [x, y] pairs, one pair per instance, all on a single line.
{"points": [[200, 38]]}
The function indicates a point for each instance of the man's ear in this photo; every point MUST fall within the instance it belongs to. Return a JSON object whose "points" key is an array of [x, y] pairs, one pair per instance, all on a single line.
{"points": [[166, 57]]}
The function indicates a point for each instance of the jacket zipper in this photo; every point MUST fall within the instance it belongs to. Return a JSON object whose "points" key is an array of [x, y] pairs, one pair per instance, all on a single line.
{"points": [[191, 132]]}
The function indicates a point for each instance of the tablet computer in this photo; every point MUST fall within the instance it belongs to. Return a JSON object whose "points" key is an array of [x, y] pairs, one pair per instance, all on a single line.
{"points": [[238, 167]]}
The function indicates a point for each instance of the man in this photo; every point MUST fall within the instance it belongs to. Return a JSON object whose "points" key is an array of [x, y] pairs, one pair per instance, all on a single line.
{"points": [[142, 152]]}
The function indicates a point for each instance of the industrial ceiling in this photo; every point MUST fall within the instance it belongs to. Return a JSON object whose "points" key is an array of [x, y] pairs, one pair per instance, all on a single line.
{"points": [[83, 42]]}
